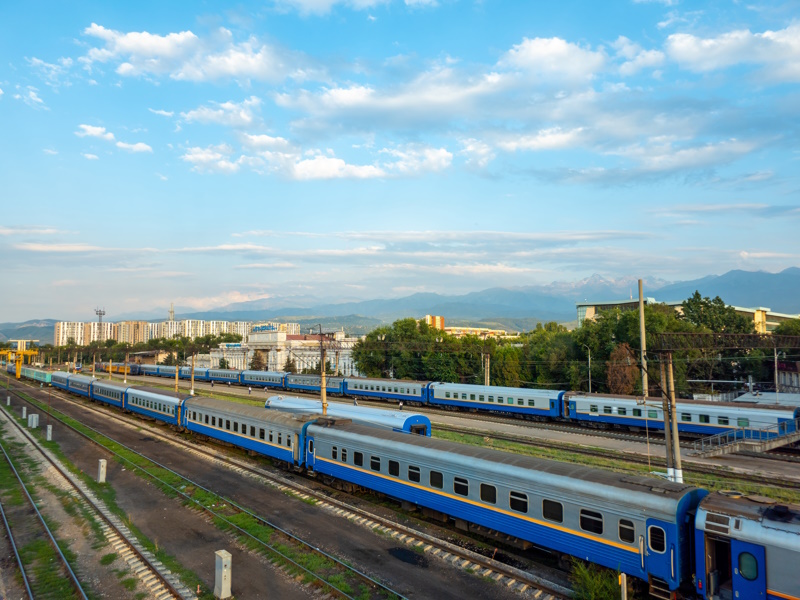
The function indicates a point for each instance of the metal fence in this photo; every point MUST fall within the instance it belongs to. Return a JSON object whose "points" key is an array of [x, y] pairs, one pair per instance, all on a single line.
{"points": [[727, 438]]}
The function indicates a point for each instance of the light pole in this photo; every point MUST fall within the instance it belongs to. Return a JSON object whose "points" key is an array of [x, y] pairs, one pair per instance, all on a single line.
{"points": [[589, 350]]}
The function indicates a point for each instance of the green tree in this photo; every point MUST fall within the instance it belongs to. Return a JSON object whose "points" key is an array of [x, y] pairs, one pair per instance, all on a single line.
{"points": [[714, 315], [223, 364], [257, 363], [290, 366], [791, 327], [505, 366]]}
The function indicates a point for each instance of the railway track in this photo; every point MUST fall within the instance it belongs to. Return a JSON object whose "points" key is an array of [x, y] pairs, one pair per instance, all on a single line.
{"points": [[161, 584], [506, 575]]}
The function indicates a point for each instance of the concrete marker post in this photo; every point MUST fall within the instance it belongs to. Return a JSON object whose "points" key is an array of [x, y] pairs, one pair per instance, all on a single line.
{"points": [[24, 412], [101, 471], [8, 400], [222, 574], [49, 433]]}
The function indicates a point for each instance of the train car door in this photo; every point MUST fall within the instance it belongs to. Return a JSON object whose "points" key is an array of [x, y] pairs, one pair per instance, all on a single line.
{"points": [[749, 570], [296, 449], [310, 461]]}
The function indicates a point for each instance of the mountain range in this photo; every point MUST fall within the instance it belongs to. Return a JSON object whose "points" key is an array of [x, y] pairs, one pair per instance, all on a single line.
{"points": [[516, 308]]}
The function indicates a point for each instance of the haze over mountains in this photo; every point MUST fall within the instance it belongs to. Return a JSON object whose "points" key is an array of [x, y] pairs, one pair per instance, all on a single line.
{"points": [[511, 308]]}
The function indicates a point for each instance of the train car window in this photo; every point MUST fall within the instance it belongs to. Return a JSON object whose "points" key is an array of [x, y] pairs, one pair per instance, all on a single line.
{"points": [[652, 414], [704, 418], [261, 434], [520, 401], [235, 427], [252, 431], [488, 493], [394, 468], [531, 402], [227, 424], [722, 420], [270, 435], [499, 399], [461, 486], [591, 521], [686, 416], [627, 533], [748, 566], [447, 394], [743, 422], [637, 412], [280, 438], [480, 398], [288, 441], [375, 463], [491, 398], [344, 455], [518, 502], [593, 408], [658, 539], [607, 410], [334, 452], [511, 401], [311, 446], [358, 459], [553, 511], [622, 411], [463, 396], [413, 474], [436, 479]]}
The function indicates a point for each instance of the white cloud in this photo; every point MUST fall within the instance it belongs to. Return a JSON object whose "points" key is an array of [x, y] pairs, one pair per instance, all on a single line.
{"points": [[163, 113], [27, 230], [211, 159], [328, 167], [264, 142], [59, 248], [413, 160], [635, 57], [546, 139], [50, 151], [93, 131], [1, 92], [478, 153], [247, 60], [137, 147], [30, 96], [231, 114], [321, 7], [667, 158], [778, 52], [90, 156], [51, 73], [555, 59]]}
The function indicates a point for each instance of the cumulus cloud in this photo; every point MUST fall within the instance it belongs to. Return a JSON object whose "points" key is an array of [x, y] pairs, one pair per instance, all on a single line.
{"points": [[30, 96], [264, 142], [211, 159], [185, 56], [163, 113], [137, 147], [478, 154], [546, 139], [50, 151], [413, 160], [329, 167], [232, 114], [88, 156], [51, 73], [635, 57], [555, 59], [94, 131], [776, 52]]}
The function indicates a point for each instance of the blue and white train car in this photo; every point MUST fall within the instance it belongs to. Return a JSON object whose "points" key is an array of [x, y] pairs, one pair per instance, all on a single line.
{"points": [[747, 548], [224, 375], [271, 433], [157, 405], [60, 380], [109, 393], [521, 401], [165, 371], [387, 389], [79, 384], [702, 418], [267, 379], [199, 374], [393, 420], [151, 370], [312, 383], [638, 525]]}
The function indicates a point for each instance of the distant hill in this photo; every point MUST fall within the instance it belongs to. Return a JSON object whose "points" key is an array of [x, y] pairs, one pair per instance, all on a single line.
{"points": [[780, 292], [40, 329]]}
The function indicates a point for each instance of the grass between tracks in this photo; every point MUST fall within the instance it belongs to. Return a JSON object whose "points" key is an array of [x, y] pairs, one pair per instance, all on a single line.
{"points": [[250, 531], [621, 463]]}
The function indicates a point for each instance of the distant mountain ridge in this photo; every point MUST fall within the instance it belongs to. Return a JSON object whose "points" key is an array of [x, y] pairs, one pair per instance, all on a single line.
{"points": [[513, 308]]}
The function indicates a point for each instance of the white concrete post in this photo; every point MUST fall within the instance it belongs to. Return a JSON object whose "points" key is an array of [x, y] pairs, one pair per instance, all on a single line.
{"points": [[101, 471], [36, 420], [24, 412], [222, 575], [49, 433], [8, 400]]}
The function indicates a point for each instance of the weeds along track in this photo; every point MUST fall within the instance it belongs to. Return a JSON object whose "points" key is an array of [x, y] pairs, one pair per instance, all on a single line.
{"points": [[28, 530]]}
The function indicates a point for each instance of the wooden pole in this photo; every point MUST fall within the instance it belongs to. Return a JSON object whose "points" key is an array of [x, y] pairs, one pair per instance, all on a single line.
{"points": [[675, 438], [667, 424]]}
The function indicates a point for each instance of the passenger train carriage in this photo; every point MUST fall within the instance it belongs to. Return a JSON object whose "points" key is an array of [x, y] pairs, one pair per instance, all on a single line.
{"points": [[703, 418], [386, 389], [634, 524], [531, 402]]}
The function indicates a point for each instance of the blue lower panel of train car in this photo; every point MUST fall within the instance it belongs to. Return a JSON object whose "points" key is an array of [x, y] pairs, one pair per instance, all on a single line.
{"points": [[547, 535], [552, 411], [266, 448]]}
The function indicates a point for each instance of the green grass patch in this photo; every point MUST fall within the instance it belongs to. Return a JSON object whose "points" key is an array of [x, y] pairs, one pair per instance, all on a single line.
{"points": [[107, 559]]}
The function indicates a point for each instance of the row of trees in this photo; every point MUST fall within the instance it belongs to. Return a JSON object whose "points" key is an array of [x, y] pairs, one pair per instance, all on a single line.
{"points": [[551, 356]]}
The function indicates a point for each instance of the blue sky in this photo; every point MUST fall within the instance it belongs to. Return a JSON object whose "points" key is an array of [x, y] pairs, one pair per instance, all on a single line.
{"points": [[353, 149]]}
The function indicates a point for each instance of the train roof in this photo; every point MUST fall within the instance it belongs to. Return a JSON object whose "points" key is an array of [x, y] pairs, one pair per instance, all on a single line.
{"points": [[159, 391], [381, 417], [661, 495], [496, 389], [755, 508], [380, 379], [767, 398], [247, 410]]}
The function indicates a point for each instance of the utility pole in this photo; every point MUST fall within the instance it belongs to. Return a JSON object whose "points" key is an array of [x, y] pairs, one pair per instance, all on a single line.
{"points": [[775, 357], [643, 353], [675, 440], [322, 385], [667, 424], [589, 350]]}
